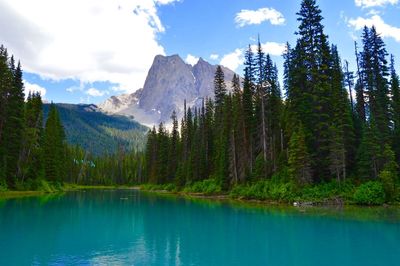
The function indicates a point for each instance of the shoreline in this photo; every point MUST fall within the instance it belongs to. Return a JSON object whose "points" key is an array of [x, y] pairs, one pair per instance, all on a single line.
{"points": [[334, 203], [388, 212], [325, 203], [12, 194]]}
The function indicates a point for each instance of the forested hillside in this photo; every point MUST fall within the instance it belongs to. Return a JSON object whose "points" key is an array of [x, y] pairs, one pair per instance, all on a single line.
{"points": [[97, 132]]}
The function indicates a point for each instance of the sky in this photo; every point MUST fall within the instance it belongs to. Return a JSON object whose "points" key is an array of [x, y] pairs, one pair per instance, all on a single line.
{"points": [[84, 51]]}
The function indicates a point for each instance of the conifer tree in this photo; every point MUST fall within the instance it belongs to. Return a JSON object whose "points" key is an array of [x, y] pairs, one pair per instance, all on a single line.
{"points": [[12, 124], [299, 159], [248, 108], [54, 147], [221, 158], [222, 145], [395, 108], [274, 112], [375, 71], [6, 82], [389, 175], [342, 146], [151, 156], [261, 117], [309, 87], [30, 159], [260, 64], [360, 94], [237, 149], [173, 148], [209, 137], [162, 156], [370, 154], [219, 87]]}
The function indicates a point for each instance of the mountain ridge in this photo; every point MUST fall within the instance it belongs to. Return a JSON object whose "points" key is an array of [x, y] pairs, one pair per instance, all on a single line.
{"points": [[169, 82]]}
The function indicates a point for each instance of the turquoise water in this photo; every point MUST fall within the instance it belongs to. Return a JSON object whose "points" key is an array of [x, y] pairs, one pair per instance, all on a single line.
{"points": [[133, 228]]}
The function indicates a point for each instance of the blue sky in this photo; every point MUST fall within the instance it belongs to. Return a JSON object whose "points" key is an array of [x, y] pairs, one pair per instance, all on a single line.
{"points": [[85, 51]]}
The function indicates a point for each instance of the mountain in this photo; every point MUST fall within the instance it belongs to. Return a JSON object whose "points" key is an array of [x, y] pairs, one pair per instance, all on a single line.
{"points": [[169, 82], [98, 132]]}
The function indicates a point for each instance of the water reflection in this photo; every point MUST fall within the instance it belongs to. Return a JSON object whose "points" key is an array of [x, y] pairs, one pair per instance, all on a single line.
{"points": [[132, 228]]}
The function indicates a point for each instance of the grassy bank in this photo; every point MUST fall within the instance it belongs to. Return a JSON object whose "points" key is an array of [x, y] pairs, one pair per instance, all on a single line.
{"points": [[19, 194], [42, 187], [30, 188], [273, 192], [74, 187], [332, 193]]}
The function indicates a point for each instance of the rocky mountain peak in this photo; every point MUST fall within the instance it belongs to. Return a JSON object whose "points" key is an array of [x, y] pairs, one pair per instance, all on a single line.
{"points": [[169, 82]]}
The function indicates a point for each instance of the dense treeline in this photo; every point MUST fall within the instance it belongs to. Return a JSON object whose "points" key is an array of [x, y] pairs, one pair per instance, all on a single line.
{"points": [[34, 154], [120, 168], [30, 152], [316, 133]]}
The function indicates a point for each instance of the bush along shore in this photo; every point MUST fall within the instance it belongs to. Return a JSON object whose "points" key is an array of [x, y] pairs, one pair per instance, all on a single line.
{"points": [[371, 193]]}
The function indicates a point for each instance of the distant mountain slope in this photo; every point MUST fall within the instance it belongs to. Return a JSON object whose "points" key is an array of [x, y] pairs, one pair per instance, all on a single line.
{"points": [[169, 82], [97, 132]]}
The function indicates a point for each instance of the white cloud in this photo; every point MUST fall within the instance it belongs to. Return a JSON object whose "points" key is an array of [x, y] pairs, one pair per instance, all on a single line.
{"points": [[373, 12], [233, 60], [374, 3], [272, 48], [250, 17], [95, 92], [191, 59], [214, 56], [76, 88], [385, 30], [91, 40], [31, 87], [166, 2]]}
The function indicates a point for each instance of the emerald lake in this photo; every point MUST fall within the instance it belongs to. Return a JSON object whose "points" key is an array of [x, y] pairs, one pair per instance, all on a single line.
{"points": [[129, 227]]}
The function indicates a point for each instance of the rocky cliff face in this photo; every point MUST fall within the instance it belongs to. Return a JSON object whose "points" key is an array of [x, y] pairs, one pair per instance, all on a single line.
{"points": [[169, 83]]}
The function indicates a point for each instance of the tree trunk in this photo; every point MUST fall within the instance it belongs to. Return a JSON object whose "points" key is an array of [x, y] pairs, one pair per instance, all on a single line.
{"points": [[235, 172]]}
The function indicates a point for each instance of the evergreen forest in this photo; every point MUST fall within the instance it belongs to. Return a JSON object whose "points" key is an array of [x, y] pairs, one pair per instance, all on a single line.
{"points": [[325, 134]]}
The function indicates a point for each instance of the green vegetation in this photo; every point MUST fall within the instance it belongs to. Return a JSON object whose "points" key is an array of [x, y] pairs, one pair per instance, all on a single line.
{"points": [[207, 187], [96, 132], [315, 144], [370, 193], [18, 194], [34, 149]]}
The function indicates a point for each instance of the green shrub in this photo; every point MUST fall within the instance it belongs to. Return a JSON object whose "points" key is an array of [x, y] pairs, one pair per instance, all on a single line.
{"points": [[283, 191], [170, 187], [265, 190], [281, 176], [45, 186], [3, 186], [327, 190], [370, 193], [387, 178], [208, 187]]}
